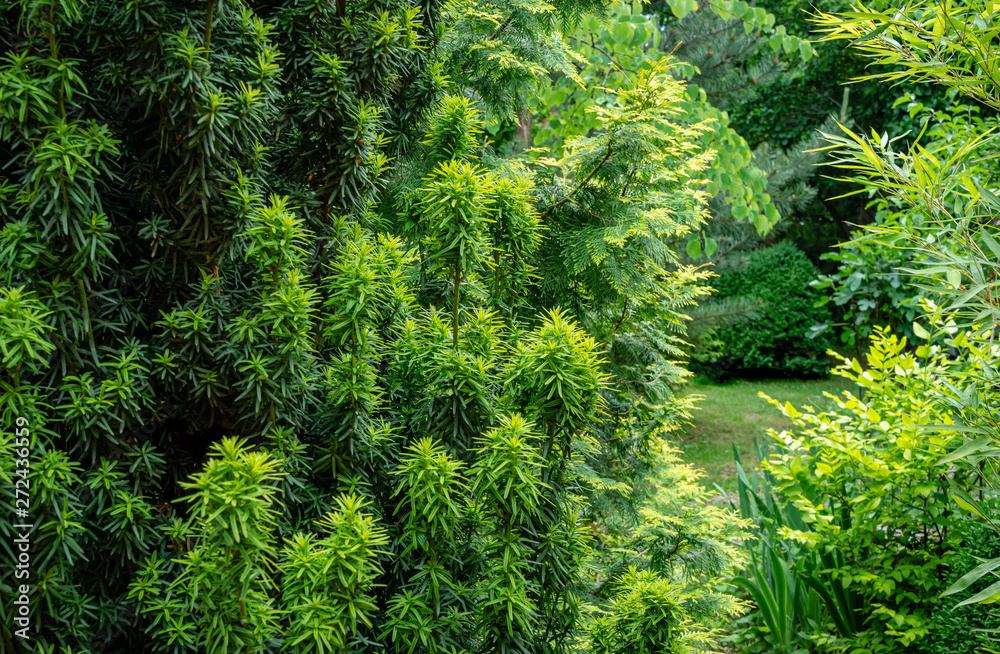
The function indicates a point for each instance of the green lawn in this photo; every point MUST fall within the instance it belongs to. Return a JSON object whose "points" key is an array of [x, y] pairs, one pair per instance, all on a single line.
{"points": [[733, 413]]}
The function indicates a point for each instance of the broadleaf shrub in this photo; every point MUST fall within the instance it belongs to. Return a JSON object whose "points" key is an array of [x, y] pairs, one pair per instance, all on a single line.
{"points": [[865, 480], [873, 285]]}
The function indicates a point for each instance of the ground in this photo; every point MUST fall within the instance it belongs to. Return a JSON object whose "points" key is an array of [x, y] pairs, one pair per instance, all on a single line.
{"points": [[734, 413]]}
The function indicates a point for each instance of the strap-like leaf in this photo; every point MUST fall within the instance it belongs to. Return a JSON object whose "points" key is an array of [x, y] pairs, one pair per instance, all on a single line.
{"points": [[972, 576]]}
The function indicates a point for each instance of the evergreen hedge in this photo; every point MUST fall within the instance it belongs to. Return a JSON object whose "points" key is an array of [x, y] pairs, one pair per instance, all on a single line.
{"points": [[777, 342]]}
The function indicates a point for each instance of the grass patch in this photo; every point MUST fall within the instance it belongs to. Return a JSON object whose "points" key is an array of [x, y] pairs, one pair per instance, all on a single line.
{"points": [[732, 412]]}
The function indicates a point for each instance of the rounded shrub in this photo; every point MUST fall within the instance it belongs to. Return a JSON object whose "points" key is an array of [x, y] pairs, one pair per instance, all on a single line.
{"points": [[777, 341]]}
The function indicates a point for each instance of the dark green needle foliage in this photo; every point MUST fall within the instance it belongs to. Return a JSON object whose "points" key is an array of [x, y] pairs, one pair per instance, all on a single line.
{"points": [[308, 365]]}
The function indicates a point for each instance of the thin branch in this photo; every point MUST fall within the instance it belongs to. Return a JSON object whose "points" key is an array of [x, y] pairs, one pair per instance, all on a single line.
{"points": [[591, 213], [735, 245], [500, 28], [620, 320], [580, 186], [608, 55]]}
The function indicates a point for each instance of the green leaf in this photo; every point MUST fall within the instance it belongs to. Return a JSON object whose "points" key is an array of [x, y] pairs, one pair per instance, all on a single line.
{"points": [[988, 197], [966, 501], [760, 17], [972, 576], [990, 242], [986, 596], [871, 35], [694, 248], [966, 450], [622, 33], [805, 50], [682, 8]]}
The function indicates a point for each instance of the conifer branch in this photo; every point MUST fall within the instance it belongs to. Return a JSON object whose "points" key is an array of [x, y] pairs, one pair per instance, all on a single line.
{"points": [[569, 197], [492, 37], [209, 19], [734, 246], [500, 28], [705, 35], [591, 213]]}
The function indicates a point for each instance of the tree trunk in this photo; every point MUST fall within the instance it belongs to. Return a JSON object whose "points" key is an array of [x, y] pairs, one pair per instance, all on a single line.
{"points": [[522, 133]]}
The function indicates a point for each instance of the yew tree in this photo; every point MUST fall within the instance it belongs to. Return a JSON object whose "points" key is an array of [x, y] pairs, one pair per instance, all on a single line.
{"points": [[309, 364]]}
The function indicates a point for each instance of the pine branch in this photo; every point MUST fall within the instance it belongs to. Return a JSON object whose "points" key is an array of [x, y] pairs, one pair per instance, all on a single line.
{"points": [[735, 245], [706, 35]]}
